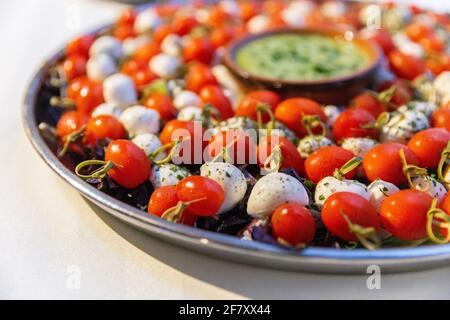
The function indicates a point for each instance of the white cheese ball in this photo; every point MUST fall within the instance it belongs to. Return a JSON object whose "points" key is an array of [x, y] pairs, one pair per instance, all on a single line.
{"points": [[403, 125], [130, 45], [139, 119], [100, 66], [230, 178], [427, 108], [273, 190], [310, 144], [167, 174], [165, 65], [258, 23], [358, 146], [406, 46], [172, 44], [435, 189], [332, 113], [185, 99], [109, 109], [294, 14], [330, 185], [442, 88], [119, 89], [107, 45], [237, 123], [333, 9], [380, 190], [190, 113], [149, 143], [147, 21]]}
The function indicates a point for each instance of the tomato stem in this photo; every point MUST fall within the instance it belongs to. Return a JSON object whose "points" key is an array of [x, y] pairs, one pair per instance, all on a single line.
{"points": [[211, 114], [445, 155], [349, 166], [174, 214], [99, 173], [274, 161], [367, 236], [437, 217], [265, 108], [412, 171], [312, 121], [71, 138], [64, 103]]}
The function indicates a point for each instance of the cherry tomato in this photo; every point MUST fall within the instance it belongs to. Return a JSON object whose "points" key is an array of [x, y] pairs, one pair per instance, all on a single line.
{"points": [[127, 17], [406, 66], [428, 145], [217, 17], [417, 31], [240, 146], [131, 66], [198, 49], [404, 214], [161, 103], [294, 224], [323, 162], [163, 198], [142, 78], [248, 9], [123, 31], [403, 92], [247, 106], [161, 32], [383, 162], [382, 38], [438, 63], [104, 126], [74, 66], [290, 157], [352, 122], [80, 45], [89, 97], [212, 94], [131, 165], [291, 111], [207, 194], [441, 118], [188, 218], [75, 85], [221, 36], [357, 209], [182, 25], [146, 52], [69, 122], [198, 76], [369, 102], [432, 43]]}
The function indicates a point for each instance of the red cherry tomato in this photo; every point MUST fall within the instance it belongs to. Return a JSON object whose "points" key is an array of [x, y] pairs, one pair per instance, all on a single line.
{"points": [[357, 209], [240, 146], [207, 194], [80, 45], [69, 122], [212, 94], [438, 63], [406, 66], [290, 157], [352, 122], [74, 66], [432, 44], [89, 97], [428, 145], [291, 111], [383, 162], [131, 66], [102, 127], [161, 103], [323, 162], [127, 17], [198, 76], [403, 92], [294, 224], [146, 52], [124, 31], [162, 198], [382, 38], [221, 36], [74, 87], [417, 31], [142, 78], [161, 32], [404, 214], [369, 102], [198, 49], [131, 165], [182, 25], [249, 9], [441, 118], [247, 107]]}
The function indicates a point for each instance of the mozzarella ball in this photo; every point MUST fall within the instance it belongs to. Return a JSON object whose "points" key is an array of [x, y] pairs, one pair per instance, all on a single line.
{"points": [[149, 143], [310, 144], [280, 130], [190, 113], [139, 119], [294, 14], [172, 44], [100, 66], [130, 45], [165, 65], [185, 99], [147, 21], [333, 9], [230, 178], [407, 46], [442, 88], [380, 190], [273, 190], [332, 112], [435, 188], [109, 109], [258, 23], [237, 123], [403, 125], [107, 45], [330, 185], [119, 89], [427, 108], [358, 146], [167, 174]]}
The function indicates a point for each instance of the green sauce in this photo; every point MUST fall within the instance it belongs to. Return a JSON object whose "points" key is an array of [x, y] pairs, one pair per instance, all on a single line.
{"points": [[300, 57]]}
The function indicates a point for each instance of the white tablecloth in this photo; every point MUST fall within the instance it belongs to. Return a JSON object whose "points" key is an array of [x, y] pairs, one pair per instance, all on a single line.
{"points": [[54, 245]]}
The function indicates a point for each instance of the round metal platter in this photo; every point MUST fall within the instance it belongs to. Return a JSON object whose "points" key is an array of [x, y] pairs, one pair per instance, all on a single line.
{"points": [[312, 259]]}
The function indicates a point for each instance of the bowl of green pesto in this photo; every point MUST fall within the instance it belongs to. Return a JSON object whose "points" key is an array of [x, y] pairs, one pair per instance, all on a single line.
{"points": [[323, 64]]}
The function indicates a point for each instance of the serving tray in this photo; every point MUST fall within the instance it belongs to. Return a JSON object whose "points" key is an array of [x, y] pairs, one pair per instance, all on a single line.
{"points": [[312, 259]]}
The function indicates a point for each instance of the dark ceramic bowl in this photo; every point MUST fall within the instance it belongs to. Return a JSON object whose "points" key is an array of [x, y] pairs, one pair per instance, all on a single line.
{"points": [[337, 90]]}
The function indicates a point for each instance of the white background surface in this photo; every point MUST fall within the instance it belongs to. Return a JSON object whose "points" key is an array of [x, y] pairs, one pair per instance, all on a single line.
{"points": [[46, 227]]}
